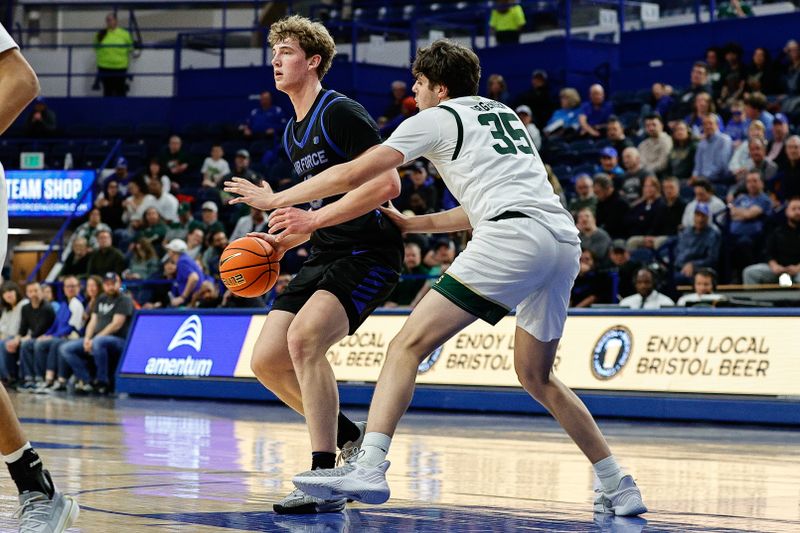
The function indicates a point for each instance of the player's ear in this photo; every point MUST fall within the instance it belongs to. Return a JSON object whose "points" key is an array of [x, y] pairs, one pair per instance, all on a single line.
{"points": [[314, 61]]}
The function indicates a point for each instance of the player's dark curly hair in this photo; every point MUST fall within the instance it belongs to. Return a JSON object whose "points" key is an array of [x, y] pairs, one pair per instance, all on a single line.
{"points": [[450, 64]]}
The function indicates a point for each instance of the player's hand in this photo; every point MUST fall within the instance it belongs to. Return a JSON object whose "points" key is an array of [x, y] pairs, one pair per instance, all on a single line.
{"points": [[260, 197], [277, 247], [400, 220], [292, 221]]}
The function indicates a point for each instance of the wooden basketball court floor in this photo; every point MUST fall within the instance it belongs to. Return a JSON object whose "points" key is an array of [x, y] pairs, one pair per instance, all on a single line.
{"points": [[177, 465]]}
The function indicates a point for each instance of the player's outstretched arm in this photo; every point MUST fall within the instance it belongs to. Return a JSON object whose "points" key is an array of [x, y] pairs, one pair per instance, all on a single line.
{"points": [[445, 222], [331, 182], [361, 200], [18, 86]]}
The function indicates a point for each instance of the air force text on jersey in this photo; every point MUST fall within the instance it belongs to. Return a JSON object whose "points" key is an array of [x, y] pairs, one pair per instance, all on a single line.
{"points": [[311, 161]]}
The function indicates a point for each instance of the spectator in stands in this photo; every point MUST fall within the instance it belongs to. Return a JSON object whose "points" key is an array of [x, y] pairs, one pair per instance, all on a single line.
{"points": [[698, 245], [497, 89], [507, 20], [255, 221], [591, 286], [399, 93], [155, 172], [782, 251], [787, 184], [49, 297], [89, 229], [265, 121], [188, 274], [143, 265], [154, 230], [217, 243], [595, 113], [77, 262], [740, 161], [165, 203], [615, 132], [526, 116], [553, 180], [68, 324], [564, 122], [699, 84], [611, 209], [703, 194], [12, 303], [655, 149], [594, 239], [660, 100], [648, 216], [675, 205], [736, 128], [791, 76], [210, 219], [109, 202], [539, 100], [713, 152], [214, 167], [410, 291], [241, 168], [106, 258], [646, 296], [584, 196], [609, 162], [624, 266], [747, 213], [733, 60], [681, 157], [630, 183], [103, 340], [418, 191], [185, 223], [755, 108], [41, 121], [440, 256], [36, 318], [734, 9], [194, 243], [113, 46], [758, 156], [705, 286], [776, 150], [138, 201], [715, 71], [732, 91], [407, 109], [702, 107], [174, 160], [761, 74]]}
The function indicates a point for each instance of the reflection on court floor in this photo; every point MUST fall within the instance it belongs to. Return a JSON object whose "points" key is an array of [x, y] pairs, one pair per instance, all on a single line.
{"points": [[163, 465]]}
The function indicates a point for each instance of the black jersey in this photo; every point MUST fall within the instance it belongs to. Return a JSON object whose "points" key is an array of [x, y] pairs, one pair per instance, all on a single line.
{"points": [[336, 130]]}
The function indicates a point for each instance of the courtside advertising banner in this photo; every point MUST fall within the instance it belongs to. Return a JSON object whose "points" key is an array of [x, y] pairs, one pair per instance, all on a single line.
{"points": [[742, 355], [48, 193]]}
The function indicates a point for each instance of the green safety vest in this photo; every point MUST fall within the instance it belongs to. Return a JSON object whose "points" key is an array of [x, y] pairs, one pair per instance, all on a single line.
{"points": [[114, 50]]}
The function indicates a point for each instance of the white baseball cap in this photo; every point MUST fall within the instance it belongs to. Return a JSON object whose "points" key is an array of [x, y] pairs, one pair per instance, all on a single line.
{"points": [[177, 245]]}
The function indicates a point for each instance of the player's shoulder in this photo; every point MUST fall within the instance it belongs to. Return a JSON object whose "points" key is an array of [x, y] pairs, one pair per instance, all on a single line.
{"points": [[340, 108]]}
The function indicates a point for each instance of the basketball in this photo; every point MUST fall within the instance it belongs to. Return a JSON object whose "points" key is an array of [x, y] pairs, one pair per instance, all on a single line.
{"points": [[248, 267]]}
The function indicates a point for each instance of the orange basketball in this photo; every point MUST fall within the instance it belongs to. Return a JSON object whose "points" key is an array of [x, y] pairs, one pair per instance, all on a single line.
{"points": [[248, 267]]}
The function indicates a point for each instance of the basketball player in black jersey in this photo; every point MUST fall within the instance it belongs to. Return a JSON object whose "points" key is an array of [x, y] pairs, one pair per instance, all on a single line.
{"points": [[354, 264]]}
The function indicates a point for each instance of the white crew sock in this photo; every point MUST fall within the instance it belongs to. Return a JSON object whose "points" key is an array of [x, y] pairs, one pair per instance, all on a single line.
{"points": [[374, 449], [609, 472], [17, 455]]}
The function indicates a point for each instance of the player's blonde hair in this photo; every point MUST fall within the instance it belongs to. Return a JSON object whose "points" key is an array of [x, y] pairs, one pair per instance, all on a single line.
{"points": [[312, 37]]}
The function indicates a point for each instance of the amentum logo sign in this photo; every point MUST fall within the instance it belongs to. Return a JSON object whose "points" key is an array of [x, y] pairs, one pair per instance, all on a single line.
{"points": [[611, 351], [189, 335]]}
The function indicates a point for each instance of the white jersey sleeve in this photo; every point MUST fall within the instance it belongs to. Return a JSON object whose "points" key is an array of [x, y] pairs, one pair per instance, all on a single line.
{"points": [[6, 42], [424, 135]]}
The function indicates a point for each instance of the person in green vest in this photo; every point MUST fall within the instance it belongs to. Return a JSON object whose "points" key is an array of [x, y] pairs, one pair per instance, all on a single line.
{"points": [[113, 46], [507, 20]]}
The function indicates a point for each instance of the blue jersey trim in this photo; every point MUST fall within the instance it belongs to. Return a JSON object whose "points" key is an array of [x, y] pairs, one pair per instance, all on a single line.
{"points": [[332, 144], [301, 144]]}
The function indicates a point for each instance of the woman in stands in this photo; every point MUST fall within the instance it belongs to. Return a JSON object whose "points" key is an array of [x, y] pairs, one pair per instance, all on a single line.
{"points": [[703, 105], [564, 122], [11, 300]]}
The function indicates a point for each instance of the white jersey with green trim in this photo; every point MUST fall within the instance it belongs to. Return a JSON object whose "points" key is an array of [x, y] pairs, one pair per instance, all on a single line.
{"points": [[6, 42], [487, 160]]}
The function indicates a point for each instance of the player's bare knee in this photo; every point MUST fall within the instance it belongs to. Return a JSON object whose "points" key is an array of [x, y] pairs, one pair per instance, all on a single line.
{"points": [[407, 346], [304, 344], [533, 380]]}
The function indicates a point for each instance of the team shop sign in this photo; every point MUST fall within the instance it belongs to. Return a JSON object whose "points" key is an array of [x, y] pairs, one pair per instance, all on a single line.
{"points": [[725, 355]]}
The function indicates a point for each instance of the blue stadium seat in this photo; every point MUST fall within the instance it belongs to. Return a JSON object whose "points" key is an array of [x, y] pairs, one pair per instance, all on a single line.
{"points": [[562, 170], [200, 150], [586, 168], [122, 131], [9, 154], [96, 152], [56, 155], [643, 256], [153, 130]]}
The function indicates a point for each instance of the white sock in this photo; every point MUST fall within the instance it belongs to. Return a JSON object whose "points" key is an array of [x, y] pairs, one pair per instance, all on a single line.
{"points": [[17, 455], [609, 472], [374, 449]]}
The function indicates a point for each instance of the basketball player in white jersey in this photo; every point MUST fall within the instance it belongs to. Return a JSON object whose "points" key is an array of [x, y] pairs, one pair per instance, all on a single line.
{"points": [[523, 254], [42, 508]]}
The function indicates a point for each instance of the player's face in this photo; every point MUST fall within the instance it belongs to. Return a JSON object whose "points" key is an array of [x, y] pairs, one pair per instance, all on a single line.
{"points": [[290, 64], [425, 95]]}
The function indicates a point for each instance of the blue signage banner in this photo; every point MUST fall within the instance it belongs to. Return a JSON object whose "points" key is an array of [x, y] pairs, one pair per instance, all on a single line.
{"points": [[200, 345], [48, 193]]}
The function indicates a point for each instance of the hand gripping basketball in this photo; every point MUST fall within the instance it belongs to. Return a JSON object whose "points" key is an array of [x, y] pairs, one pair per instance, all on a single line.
{"points": [[249, 267]]}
